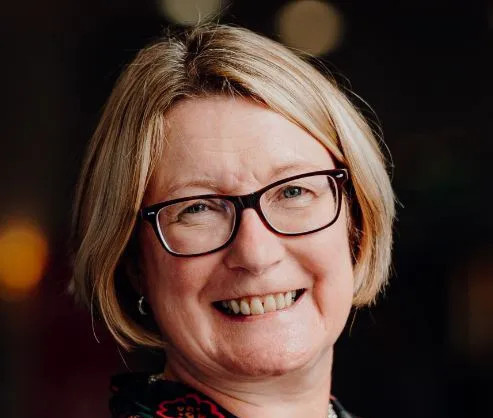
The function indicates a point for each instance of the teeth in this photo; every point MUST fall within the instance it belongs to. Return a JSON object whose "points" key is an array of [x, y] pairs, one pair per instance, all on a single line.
{"points": [[259, 305], [288, 298], [256, 307], [234, 306], [269, 303], [280, 302], [244, 307]]}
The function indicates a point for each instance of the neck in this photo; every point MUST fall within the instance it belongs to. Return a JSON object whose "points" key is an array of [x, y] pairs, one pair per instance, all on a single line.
{"points": [[305, 391]]}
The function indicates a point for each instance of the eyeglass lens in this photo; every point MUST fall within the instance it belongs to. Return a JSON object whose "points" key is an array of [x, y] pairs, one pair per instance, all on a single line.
{"points": [[296, 206]]}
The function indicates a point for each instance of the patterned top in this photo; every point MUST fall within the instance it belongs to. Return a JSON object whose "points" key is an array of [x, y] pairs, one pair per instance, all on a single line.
{"points": [[138, 395]]}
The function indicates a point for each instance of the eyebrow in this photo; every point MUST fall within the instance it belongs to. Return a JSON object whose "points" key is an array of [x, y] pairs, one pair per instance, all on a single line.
{"points": [[301, 167], [204, 182], [274, 175]]}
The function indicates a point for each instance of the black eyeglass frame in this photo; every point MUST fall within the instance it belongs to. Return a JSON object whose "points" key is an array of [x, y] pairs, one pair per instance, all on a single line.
{"points": [[240, 203]]}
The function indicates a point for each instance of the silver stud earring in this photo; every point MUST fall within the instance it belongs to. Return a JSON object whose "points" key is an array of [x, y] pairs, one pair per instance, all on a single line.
{"points": [[141, 307]]}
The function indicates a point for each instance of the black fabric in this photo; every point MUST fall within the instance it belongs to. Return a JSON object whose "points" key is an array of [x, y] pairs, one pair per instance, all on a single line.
{"points": [[136, 396]]}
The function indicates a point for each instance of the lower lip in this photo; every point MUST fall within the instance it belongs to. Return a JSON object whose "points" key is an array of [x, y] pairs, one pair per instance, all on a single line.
{"points": [[249, 318]]}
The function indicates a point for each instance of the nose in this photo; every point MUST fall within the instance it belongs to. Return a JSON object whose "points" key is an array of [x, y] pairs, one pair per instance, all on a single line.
{"points": [[255, 248]]}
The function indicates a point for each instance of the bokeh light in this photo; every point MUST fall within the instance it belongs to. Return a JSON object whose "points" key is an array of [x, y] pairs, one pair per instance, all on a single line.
{"points": [[190, 12], [479, 306], [312, 26], [23, 258]]}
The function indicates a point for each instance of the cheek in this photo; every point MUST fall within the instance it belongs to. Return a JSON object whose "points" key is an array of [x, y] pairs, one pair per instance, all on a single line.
{"points": [[327, 252], [185, 277], [174, 288], [168, 278], [326, 257]]}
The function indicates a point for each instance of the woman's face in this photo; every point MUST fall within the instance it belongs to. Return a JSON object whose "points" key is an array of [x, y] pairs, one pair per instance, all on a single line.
{"points": [[234, 146]]}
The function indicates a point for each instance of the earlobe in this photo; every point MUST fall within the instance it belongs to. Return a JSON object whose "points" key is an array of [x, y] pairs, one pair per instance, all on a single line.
{"points": [[141, 305]]}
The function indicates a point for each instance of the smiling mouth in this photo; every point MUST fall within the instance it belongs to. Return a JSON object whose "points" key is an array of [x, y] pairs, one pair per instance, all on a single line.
{"points": [[258, 305]]}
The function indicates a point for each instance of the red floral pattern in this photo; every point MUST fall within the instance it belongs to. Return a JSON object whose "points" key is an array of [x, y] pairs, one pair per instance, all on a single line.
{"points": [[189, 406]]}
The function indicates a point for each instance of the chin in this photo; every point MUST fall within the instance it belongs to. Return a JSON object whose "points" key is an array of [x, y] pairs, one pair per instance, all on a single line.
{"points": [[267, 362]]}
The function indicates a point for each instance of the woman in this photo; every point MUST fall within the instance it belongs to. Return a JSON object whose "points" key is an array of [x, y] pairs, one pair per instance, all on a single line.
{"points": [[245, 203]]}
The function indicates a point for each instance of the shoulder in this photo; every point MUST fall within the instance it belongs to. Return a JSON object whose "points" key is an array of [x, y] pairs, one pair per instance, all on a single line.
{"points": [[340, 411]]}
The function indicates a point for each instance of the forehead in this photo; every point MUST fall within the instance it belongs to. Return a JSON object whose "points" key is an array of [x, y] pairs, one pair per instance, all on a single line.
{"points": [[235, 143]]}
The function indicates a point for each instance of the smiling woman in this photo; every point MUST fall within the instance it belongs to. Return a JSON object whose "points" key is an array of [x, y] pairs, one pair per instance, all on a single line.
{"points": [[246, 201]]}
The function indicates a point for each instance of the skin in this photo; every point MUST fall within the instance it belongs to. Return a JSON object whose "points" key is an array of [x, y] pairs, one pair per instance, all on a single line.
{"points": [[278, 364]]}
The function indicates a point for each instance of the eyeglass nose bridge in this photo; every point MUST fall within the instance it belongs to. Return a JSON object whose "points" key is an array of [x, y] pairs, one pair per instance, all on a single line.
{"points": [[249, 201]]}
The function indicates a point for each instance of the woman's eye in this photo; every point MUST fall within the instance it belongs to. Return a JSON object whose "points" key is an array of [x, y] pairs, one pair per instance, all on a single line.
{"points": [[292, 191], [197, 208]]}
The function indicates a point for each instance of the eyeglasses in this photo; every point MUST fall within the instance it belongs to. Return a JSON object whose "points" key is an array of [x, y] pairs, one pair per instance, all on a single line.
{"points": [[203, 224]]}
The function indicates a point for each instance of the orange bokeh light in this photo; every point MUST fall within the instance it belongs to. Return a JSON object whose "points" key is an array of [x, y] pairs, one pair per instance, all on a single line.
{"points": [[23, 259]]}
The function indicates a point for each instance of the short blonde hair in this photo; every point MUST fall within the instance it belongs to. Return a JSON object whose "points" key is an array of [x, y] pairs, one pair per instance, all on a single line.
{"points": [[211, 60]]}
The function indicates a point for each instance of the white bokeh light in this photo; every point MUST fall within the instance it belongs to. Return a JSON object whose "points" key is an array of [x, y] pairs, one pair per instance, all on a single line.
{"points": [[312, 26]]}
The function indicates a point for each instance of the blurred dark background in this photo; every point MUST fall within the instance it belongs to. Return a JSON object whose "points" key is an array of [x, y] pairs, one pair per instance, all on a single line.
{"points": [[425, 350]]}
